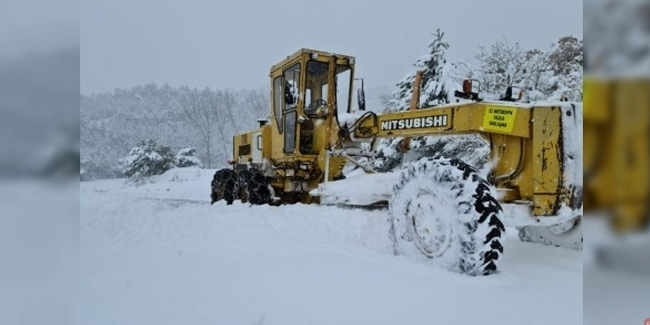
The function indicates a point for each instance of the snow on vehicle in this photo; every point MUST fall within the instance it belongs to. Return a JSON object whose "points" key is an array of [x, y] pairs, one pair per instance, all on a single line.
{"points": [[440, 207]]}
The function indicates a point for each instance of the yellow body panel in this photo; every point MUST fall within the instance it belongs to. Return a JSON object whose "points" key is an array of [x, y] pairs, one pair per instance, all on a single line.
{"points": [[455, 119], [617, 149], [547, 163]]}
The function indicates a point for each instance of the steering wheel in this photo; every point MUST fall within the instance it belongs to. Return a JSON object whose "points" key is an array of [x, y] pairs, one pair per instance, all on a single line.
{"points": [[315, 106]]}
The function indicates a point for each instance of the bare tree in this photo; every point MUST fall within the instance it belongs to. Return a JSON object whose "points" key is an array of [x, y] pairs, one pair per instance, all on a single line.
{"points": [[198, 111], [215, 102], [228, 106], [257, 101]]}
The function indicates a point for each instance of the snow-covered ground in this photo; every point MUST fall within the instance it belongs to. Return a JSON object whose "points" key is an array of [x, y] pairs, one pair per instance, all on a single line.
{"points": [[159, 253]]}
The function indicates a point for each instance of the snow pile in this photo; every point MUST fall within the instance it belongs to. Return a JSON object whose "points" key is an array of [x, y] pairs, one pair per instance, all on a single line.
{"points": [[348, 119], [181, 175], [190, 184], [358, 189]]}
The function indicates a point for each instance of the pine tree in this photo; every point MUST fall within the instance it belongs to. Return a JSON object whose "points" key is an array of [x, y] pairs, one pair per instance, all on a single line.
{"points": [[147, 159], [438, 79], [433, 87], [433, 66]]}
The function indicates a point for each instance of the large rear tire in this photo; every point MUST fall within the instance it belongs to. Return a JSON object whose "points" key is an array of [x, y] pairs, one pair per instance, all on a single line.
{"points": [[442, 209], [223, 186], [254, 187]]}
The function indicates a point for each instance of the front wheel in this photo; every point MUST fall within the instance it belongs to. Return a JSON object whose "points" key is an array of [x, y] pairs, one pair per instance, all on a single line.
{"points": [[442, 209]]}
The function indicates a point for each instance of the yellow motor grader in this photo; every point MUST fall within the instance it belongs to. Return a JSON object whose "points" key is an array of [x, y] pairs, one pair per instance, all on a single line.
{"points": [[440, 207]]}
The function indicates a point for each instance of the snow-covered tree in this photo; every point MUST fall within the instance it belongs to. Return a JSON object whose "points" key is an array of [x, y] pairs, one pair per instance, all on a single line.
{"points": [[566, 61], [566, 54], [435, 76], [547, 74], [434, 72], [502, 65], [186, 158], [440, 79], [536, 83], [147, 159]]}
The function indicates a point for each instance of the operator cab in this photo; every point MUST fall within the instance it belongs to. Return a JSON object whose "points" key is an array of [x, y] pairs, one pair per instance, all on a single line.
{"points": [[308, 87]]}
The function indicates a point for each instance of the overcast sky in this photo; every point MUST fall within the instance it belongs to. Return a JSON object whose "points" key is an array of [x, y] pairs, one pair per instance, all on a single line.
{"points": [[234, 43], [37, 26], [39, 82]]}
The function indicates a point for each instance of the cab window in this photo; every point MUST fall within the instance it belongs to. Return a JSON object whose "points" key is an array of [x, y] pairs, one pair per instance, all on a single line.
{"points": [[316, 83], [277, 101], [291, 97]]}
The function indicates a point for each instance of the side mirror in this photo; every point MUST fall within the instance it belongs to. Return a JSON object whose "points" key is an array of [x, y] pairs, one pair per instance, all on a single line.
{"points": [[361, 96], [508, 96], [361, 99]]}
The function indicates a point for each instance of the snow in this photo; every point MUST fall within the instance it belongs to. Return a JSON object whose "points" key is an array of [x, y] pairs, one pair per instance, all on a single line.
{"points": [[572, 140], [348, 118], [159, 253], [360, 189]]}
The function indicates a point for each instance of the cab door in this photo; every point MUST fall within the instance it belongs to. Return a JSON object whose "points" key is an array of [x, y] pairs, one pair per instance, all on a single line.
{"points": [[292, 99]]}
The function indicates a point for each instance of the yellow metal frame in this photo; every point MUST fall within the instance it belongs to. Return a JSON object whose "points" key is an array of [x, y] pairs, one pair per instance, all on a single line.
{"points": [[617, 149]]}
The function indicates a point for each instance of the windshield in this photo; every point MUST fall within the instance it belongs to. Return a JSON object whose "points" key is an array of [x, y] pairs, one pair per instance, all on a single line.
{"points": [[343, 87], [317, 82], [317, 85]]}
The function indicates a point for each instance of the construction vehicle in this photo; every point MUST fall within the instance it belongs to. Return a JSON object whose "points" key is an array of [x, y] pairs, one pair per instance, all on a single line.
{"points": [[440, 207]]}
